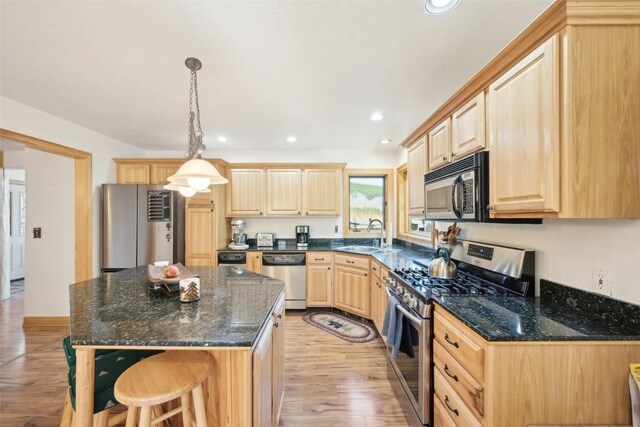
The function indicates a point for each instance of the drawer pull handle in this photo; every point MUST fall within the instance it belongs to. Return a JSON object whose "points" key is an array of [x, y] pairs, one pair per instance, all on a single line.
{"points": [[350, 262], [319, 259], [446, 371], [453, 343], [446, 402]]}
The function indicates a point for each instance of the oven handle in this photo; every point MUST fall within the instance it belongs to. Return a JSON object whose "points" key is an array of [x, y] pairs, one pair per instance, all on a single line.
{"points": [[404, 311], [454, 197]]}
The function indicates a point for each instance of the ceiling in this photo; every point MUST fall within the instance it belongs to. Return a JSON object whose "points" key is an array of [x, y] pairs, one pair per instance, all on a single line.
{"points": [[313, 69]]}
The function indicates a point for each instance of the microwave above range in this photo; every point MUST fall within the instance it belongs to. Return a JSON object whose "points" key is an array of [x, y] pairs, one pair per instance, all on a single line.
{"points": [[460, 192]]}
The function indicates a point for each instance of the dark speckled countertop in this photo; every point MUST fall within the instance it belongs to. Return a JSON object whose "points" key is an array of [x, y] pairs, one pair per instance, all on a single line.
{"points": [[120, 309]]}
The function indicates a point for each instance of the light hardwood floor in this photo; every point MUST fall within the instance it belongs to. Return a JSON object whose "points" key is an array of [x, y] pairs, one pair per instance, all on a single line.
{"points": [[329, 382]]}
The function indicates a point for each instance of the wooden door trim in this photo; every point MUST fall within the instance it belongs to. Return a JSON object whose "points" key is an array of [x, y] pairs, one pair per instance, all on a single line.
{"points": [[83, 196]]}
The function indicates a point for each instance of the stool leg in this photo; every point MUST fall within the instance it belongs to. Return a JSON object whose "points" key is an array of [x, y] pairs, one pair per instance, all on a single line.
{"points": [[198, 403], [67, 412], [132, 415], [186, 410], [145, 416], [101, 419]]}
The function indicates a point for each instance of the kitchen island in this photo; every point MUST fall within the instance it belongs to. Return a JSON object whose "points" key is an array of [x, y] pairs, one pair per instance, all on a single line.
{"points": [[238, 320]]}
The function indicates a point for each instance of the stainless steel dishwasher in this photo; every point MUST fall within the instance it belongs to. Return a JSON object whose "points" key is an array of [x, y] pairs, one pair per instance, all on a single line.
{"points": [[291, 269]]}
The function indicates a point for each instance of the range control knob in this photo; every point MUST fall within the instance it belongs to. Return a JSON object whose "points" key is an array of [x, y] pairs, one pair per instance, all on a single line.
{"points": [[413, 303], [406, 298]]}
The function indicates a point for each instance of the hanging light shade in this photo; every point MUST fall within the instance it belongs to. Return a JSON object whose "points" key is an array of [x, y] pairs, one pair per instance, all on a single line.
{"points": [[197, 174]]}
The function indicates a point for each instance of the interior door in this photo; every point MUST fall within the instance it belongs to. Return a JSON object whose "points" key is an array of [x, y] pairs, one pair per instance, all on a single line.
{"points": [[17, 229]]}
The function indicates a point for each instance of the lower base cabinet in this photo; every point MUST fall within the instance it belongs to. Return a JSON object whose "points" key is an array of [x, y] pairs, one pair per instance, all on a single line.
{"points": [[351, 291], [268, 370]]}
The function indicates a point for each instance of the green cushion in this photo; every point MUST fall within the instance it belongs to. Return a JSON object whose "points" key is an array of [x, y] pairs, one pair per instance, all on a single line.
{"points": [[109, 365]]}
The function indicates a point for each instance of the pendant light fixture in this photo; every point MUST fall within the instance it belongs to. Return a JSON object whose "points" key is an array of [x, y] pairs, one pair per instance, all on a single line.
{"points": [[197, 174]]}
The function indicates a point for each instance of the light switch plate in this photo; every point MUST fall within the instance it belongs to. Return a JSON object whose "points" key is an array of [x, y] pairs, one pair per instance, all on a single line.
{"points": [[37, 233]]}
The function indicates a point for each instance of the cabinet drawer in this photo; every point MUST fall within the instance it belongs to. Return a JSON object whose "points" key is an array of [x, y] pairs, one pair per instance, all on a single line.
{"points": [[453, 404], [441, 417], [455, 338], [319, 257], [469, 390], [353, 261]]}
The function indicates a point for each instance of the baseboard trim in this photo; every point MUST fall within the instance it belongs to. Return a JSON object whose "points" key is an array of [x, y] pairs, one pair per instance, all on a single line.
{"points": [[45, 322]]}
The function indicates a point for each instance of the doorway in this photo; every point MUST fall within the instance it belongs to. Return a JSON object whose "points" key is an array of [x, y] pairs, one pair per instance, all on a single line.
{"points": [[17, 204]]}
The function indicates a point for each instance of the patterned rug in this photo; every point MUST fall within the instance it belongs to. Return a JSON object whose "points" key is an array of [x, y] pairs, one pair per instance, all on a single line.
{"points": [[348, 329]]}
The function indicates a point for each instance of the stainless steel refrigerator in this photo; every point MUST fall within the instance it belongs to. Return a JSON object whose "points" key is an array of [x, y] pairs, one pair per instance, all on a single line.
{"points": [[141, 224]]}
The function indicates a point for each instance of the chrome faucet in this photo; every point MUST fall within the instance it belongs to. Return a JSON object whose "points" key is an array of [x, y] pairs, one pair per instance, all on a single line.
{"points": [[371, 221]]}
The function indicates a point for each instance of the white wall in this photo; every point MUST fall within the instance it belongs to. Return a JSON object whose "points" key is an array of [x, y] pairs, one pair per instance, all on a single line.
{"points": [[49, 261], [23, 119], [567, 251], [14, 159]]}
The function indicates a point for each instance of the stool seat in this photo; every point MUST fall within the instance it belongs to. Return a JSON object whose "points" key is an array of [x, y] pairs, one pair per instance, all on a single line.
{"points": [[162, 377]]}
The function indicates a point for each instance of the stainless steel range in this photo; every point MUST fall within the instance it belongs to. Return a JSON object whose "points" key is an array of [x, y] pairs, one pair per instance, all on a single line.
{"points": [[483, 270]]}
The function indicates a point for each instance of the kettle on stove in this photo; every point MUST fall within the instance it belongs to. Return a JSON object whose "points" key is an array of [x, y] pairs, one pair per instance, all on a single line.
{"points": [[442, 267]]}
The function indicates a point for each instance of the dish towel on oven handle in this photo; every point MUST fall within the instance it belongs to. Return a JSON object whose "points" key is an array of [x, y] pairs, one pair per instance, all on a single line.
{"points": [[392, 325]]}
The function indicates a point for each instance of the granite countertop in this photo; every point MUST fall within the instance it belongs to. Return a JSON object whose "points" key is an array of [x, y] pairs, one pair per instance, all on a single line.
{"points": [[121, 309], [561, 313]]}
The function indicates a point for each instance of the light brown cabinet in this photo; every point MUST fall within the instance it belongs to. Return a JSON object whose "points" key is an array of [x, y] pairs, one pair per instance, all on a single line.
{"points": [[351, 289], [524, 134], [319, 279], [439, 145], [321, 192], [133, 173], [379, 295], [254, 261], [246, 192], [416, 168], [200, 236], [284, 192], [161, 171], [468, 128]]}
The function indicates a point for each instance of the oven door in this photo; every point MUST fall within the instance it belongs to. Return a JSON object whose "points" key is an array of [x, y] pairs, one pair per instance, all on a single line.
{"points": [[415, 373]]}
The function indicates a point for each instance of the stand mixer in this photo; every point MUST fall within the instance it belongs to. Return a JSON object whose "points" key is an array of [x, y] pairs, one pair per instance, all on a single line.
{"points": [[238, 238]]}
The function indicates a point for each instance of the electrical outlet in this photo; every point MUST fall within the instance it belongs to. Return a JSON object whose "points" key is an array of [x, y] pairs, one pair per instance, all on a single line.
{"points": [[338, 229], [602, 281], [37, 233]]}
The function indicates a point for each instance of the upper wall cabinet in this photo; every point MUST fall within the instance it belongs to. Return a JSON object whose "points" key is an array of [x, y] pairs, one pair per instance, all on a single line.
{"points": [[468, 128], [133, 173], [562, 115], [439, 142], [321, 192], [246, 192], [416, 156], [160, 172], [524, 134], [284, 191]]}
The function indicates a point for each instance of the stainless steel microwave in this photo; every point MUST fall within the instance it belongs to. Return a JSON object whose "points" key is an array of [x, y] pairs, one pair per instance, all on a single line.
{"points": [[460, 192]]}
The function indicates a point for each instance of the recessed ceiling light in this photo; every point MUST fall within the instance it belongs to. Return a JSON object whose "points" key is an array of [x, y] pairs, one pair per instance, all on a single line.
{"points": [[377, 116], [291, 138], [222, 138], [385, 141], [437, 7]]}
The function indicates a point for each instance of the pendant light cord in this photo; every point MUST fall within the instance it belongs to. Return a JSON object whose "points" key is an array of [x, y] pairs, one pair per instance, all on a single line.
{"points": [[195, 146]]}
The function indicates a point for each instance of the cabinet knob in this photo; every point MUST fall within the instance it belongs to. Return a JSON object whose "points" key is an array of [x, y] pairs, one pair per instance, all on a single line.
{"points": [[444, 158], [306, 213], [365, 274], [298, 212], [453, 155], [211, 210], [275, 324], [489, 207], [328, 268], [260, 212]]}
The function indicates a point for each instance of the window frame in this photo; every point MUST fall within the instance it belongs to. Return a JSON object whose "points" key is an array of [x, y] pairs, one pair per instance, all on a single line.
{"points": [[403, 231], [388, 175]]}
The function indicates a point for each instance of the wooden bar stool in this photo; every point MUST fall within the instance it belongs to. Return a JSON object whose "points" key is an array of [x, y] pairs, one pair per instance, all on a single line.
{"points": [[162, 378]]}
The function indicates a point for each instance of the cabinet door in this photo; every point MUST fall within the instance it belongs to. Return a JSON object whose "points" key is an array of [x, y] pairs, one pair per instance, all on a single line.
{"points": [[321, 192], [468, 128], [133, 173], [319, 285], [284, 192], [263, 379], [161, 171], [351, 290], [416, 156], [524, 137], [278, 360], [245, 192], [200, 242], [439, 141], [254, 261]]}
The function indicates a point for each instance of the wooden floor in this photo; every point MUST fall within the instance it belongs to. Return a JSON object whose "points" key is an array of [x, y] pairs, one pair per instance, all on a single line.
{"points": [[329, 382]]}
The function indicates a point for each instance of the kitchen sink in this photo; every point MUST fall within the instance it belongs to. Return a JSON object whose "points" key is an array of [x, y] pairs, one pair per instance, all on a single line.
{"points": [[360, 249]]}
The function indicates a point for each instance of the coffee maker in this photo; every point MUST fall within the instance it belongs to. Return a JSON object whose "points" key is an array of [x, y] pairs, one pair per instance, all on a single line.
{"points": [[302, 236]]}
